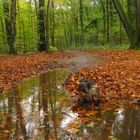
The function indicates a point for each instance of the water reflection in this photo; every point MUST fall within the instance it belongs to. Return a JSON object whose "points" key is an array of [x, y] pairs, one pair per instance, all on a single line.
{"points": [[127, 122], [35, 109], [40, 109], [120, 124]]}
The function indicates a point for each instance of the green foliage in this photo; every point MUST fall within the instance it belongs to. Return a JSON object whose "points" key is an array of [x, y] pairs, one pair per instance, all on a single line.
{"points": [[67, 26], [102, 47]]}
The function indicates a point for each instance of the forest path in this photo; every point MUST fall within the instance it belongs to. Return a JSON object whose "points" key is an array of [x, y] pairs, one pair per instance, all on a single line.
{"points": [[79, 59]]}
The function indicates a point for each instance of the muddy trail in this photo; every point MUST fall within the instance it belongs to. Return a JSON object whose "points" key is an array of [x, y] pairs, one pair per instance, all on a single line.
{"points": [[15, 68], [78, 60]]}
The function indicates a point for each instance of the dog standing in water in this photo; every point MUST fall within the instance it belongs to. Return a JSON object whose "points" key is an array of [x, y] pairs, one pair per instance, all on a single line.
{"points": [[89, 88]]}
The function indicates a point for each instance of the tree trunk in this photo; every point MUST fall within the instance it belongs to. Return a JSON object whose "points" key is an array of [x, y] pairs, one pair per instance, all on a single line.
{"points": [[104, 20], [135, 43], [124, 19], [47, 26], [52, 21], [3, 31], [41, 23], [13, 26], [81, 21], [133, 33], [120, 32], [75, 23], [111, 13], [107, 22], [10, 22]]}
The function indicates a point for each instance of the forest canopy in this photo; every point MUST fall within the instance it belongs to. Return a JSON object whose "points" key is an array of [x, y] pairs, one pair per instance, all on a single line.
{"points": [[31, 25]]}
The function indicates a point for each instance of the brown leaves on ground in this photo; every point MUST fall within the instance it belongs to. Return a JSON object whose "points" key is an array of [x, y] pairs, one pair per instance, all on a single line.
{"points": [[14, 68], [118, 76]]}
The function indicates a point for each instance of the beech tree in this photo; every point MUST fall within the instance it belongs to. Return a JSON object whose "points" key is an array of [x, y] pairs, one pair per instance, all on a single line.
{"points": [[41, 24], [47, 25], [10, 24], [52, 24], [133, 32]]}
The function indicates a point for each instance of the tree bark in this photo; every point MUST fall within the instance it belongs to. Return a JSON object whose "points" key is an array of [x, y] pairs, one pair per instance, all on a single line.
{"points": [[47, 26], [107, 20], [104, 20], [125, 19], [135, 43], [41, 23], [52, 21], [81, 21], [10, 22], [133, 33]]}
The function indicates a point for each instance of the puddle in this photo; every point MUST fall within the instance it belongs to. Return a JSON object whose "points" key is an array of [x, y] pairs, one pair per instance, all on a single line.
{"points": [[40, 109], [115, 121]]}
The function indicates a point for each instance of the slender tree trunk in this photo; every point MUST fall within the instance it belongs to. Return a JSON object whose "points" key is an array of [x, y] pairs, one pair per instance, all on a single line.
{"points": [[20, 26], [107, 18], [64, 19], [81, 21], [10, 25], [76, 30], [52, 21], [13, 26], [75, 23], [47, 26], [3, 31], [104, 16], [121, 26], [111, 13], [120, 32], [41, 23], [24, 39]]}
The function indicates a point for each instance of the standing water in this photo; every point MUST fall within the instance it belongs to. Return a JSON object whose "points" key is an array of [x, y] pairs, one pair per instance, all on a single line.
{"points": [[40, 109]]}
